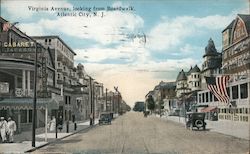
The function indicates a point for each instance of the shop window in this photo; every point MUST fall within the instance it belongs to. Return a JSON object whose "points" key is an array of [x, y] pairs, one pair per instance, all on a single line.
{"points": [[23, 116], [243, 91], [235, 92]]}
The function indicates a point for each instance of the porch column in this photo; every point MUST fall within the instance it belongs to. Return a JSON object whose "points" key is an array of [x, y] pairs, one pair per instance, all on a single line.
{"points": [[24, 82], [15, 82], [19, 121], [28, 82]]}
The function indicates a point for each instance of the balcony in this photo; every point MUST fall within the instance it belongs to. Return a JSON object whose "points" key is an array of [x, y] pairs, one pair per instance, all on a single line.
{"points": [[23, 93]]}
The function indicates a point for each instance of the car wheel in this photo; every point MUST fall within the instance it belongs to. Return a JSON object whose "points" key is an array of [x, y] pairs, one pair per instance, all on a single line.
{"points": [[199, 123]]}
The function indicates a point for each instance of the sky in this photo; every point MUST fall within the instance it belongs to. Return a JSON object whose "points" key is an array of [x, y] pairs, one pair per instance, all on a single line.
{"points": [[133, 49]]}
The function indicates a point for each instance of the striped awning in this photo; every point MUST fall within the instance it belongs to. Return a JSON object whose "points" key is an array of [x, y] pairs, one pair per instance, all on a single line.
{"points": [[27, 103], [209, 109]]}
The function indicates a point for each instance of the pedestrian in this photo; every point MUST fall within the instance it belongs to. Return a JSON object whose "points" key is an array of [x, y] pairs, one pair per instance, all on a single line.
{"points": [[11, 124], [52, 124], [3, 129]]}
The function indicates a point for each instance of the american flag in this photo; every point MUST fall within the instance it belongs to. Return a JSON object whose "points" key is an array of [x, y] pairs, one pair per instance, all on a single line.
{"points": [[217, 85], [8, 25]]}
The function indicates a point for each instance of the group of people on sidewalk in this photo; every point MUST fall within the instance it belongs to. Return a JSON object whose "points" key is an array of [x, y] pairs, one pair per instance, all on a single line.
{"points": [[7, 130]]}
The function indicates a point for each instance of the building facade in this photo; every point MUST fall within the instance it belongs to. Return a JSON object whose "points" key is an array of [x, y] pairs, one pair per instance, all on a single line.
{"points": [[235, 64]]}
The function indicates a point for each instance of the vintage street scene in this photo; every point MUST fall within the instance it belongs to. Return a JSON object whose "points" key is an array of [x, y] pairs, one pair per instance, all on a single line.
{"points": [[132, 77]]}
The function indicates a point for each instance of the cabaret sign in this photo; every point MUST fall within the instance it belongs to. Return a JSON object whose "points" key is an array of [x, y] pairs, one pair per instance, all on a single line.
{"points": [[18, 44]]}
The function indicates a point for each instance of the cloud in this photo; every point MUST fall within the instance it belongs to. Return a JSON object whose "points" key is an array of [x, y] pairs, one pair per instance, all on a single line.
{"points": [[189, 49], [170, 33]]}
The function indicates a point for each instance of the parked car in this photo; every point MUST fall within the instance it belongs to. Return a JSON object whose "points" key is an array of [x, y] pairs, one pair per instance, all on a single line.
{"points": [[105, 118], [196, 119]]}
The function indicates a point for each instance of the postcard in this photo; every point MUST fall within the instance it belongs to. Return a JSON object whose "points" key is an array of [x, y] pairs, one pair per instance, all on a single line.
{"points": [[132, 77]]}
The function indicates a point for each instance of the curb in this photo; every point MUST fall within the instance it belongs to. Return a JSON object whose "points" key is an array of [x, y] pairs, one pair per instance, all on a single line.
{"points": [[58, 139]]}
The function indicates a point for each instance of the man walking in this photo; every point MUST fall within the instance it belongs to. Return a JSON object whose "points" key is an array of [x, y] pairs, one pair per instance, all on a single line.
{"points": [[3, 129], [11, 129]]}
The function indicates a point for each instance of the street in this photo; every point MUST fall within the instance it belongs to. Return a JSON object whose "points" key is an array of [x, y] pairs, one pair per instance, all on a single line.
{"points": [[132, 133]]}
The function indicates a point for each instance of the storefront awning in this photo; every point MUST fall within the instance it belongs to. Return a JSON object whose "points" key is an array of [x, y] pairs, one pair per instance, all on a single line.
{"points": [[27, 103], [209, 109]]}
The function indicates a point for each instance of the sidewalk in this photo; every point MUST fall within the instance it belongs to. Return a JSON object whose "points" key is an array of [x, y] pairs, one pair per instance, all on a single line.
{"points": [[236, 129], [23, 140]]}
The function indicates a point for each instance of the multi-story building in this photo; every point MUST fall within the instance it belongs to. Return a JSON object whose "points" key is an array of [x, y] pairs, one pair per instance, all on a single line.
{"points": [[235, 64], [211, 63], [69, 80], [17, 59]]}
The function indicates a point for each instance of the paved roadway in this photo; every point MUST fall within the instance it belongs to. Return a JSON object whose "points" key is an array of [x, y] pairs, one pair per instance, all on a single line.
{"points": [[132, 133]]}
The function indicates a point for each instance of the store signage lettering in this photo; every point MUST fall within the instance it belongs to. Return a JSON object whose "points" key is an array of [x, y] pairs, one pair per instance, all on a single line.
{"points": [[18, 44]]}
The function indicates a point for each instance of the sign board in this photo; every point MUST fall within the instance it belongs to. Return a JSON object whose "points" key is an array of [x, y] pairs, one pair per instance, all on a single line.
{"points": [[4, 87]]}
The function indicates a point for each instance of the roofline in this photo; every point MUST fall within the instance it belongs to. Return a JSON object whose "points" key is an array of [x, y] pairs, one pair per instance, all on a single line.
{"points": [[55, 36]]}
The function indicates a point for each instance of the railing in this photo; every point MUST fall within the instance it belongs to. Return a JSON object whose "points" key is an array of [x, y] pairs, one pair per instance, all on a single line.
{"points": [[19, 92]]}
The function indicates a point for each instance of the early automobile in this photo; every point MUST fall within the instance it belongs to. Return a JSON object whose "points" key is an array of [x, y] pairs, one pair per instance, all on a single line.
{"points": [[196, 119], [105, 118]]}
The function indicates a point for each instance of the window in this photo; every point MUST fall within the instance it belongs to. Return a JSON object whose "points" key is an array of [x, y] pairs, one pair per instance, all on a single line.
{"points": [[206, 96], [30, 116], [235, 92], [240, 110], [203, 97], [58, 76], [46, 41], [69, 99], [211, 97], [66, 99], [243, 91], [49, 41], [59, 64], [199, 98], [23, 116]]}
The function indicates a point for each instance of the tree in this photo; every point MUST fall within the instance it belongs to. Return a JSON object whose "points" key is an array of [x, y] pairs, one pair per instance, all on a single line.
{"points": [[151, 103]]}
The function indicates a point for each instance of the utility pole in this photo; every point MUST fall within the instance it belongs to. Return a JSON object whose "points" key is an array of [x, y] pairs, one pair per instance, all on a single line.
{"points": [[34, 101], [91, 101], [106, 105], [93, 122]]}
